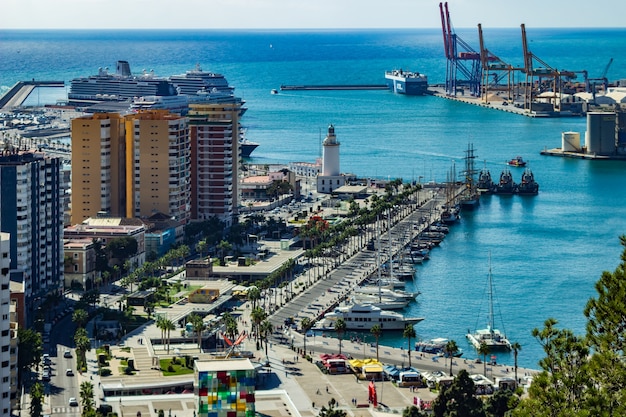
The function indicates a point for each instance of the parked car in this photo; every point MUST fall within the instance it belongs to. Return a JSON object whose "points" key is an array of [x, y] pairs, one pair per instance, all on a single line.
{"points": [[67, 354], [73, 402], [69, 372]]}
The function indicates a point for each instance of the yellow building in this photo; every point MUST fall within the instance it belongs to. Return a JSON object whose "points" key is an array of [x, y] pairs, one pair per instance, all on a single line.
{"points": [[204, 295], [130, 166]]}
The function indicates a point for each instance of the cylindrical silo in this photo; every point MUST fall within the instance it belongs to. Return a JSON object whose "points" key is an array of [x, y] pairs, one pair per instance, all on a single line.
{"points": [[570, 142], [600, 135]]}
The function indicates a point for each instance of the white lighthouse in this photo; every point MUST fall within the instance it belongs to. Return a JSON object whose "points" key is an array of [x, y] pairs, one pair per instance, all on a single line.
{"points": [[331, 177]]}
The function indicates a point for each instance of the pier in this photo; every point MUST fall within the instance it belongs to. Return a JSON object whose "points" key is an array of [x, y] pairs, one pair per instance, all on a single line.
{"points": [[331, 87], [22, 89]]}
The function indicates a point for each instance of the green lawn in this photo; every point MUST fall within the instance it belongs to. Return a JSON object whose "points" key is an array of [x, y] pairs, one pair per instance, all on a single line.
{"points": [[178, 369]]}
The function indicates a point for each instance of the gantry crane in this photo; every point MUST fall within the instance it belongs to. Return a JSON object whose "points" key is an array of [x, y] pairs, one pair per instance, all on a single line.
{"points": [[463, 68], [543, 73], [497, 75]]}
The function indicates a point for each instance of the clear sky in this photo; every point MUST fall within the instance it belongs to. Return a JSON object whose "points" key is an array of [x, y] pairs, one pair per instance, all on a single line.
{"points": [[306, 14]]}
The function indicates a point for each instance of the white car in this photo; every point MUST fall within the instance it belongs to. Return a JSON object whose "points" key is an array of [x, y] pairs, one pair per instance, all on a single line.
{"points": [[73, 402]]}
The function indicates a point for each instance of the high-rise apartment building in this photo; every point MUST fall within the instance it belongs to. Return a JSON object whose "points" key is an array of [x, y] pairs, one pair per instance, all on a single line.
{"points": [[8, 354], [215, 154], [130, 166], [31, 212]]}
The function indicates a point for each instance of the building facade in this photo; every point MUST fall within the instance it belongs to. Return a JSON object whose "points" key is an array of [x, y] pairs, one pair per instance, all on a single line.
{"points": [[8, 333], [31, 212], [130, 166], [215, 157]]}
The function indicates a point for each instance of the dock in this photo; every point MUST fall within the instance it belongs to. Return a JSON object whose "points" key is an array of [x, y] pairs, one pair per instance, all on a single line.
{"points": [[22, 89], [581, 155], [330, 87]]}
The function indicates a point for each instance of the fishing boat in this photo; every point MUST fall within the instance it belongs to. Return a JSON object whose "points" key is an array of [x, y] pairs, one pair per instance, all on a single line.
{"points": [[490, 336], [436, 346], [365, 316], [506, 184], [518, 161], [528, 186]]}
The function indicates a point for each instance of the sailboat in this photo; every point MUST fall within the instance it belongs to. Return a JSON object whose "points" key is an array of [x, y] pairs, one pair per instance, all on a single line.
{"points": [[492, 337], [470, 198]]}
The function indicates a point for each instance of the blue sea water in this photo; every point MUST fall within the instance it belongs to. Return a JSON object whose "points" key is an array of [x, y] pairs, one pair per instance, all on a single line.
{"points": [[546, 251]]}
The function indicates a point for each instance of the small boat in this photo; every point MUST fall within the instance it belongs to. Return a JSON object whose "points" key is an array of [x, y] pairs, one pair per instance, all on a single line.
{"points": [[386, 292], [518, 161], [436, 346], [506, 184], [450, 215], [492, 337], [528, 186], [274, 91]]}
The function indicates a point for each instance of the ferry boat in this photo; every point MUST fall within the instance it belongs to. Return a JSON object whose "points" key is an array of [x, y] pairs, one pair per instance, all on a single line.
{"points": [[436, 346], [364, 317], [506, 184], [528, 186], [407, 82]]}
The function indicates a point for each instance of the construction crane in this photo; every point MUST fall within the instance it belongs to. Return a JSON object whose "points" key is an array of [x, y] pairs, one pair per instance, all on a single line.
{"points": [[602, 78], [497, 75], [543, 72], [463, 68]]}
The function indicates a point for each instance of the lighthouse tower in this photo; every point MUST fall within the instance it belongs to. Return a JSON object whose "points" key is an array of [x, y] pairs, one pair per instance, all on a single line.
{"points": [[331, 177], [330, 159]]}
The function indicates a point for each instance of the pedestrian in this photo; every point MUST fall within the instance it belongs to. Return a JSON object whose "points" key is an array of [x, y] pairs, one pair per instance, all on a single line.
{"points": [[326, 388]]}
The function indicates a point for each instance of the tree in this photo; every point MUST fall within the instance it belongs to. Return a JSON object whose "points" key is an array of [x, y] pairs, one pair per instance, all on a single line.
{"points": [[30, 348], [201, 247], [377, 331], [36, 399], [83, 345], [198, 326], [413, 411], [266, 330], [409, 333], [458, 399], [86, 396], [254, 294], [306, 324], [224, 247], [483, 349], [80, 317], [168, 326], [122, 248], [502, 401], [160, 324], [451, 349], [331, 411], [340, 328], [515, 347]]}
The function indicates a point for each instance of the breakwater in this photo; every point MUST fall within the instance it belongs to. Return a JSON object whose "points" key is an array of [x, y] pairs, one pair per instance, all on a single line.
{"points": [[342, 87]]}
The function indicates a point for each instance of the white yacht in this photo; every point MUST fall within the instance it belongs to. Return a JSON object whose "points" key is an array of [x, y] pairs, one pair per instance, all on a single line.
{"points": [[388, 303], [364, 317], [386, 292]]}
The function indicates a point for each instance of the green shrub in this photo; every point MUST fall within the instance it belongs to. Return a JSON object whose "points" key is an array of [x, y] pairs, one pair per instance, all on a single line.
{"points": [[105, 372], [170, 368]]}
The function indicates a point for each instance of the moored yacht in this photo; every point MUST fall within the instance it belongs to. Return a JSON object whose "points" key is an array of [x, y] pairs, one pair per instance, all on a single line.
{"points": [[364, 317]]}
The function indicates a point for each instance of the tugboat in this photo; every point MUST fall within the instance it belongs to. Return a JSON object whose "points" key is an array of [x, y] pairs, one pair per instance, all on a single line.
{"points": [[518, 161], [485, 184], [528, 186], [506, 184]]}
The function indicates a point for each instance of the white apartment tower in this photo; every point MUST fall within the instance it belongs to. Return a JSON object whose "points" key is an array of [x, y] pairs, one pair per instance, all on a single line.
{"points": [[8, 369]]}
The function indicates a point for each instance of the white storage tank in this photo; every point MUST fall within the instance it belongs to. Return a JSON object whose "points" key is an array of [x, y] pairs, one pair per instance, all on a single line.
{"points": [[570, 141], [600, 135]]}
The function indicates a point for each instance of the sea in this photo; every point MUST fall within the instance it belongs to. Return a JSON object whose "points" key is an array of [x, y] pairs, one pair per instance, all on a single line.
{"points": [[545, 252]]}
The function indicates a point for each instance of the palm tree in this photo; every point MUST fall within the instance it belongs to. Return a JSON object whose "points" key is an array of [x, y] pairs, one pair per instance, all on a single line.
{"points": [[266, 329], [86, 396], [254, 294], [168, 326], [515, 347], [484, 350], [160, 323], [36, 399], [305, 324], [377, 331], [198, 326], [451, 348], [257, 315], [80, 317], [340, 328], [409, 333], [83, 344]]}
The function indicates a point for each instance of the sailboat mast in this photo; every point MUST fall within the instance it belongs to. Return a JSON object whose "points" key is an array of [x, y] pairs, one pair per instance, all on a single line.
{"points": [[378, 254], [491, 324]]}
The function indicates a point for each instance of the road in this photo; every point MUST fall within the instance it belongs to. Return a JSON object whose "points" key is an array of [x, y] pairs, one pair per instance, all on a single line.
{"points": [[62, 387]]}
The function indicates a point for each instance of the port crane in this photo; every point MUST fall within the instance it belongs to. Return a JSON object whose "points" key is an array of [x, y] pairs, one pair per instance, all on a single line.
{"points": [[463, 68], [548, 78], [497, 75]]}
